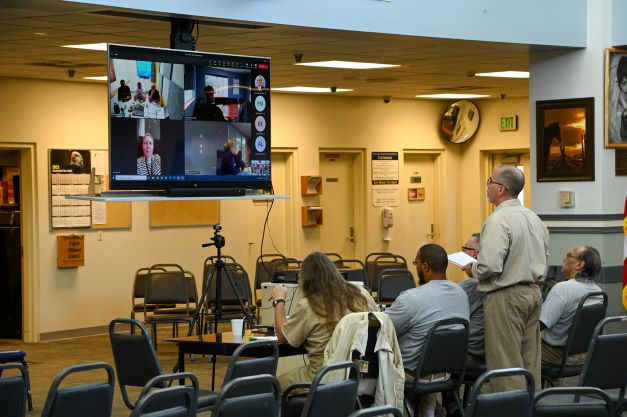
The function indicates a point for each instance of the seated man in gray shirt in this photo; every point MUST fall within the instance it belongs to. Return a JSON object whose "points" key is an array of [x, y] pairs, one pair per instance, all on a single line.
{"points": [[476, 338], [581, 266], [415, 311]]}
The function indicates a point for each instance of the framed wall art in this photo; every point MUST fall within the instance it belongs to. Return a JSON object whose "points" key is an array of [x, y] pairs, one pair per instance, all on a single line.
{"points": [[565, 139], [616, 98]]}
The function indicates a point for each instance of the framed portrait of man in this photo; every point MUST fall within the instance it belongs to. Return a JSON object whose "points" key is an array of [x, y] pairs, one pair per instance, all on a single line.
{"points": [[616, 98]]}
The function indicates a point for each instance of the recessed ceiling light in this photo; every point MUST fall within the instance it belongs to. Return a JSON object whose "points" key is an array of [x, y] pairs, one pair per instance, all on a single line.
{"points": [[504, 74], [346, 65], [91, 46], [40, 33], [453, 95], [300, 89], [98, 78]]}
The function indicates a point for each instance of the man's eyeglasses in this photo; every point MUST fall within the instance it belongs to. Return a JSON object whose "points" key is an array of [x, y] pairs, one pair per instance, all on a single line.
{"points": [[570, 255], [466, 248], [494, 182], [416, 263]]}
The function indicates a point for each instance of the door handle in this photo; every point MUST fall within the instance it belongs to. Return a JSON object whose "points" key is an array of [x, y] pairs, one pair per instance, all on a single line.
{"points": [[431, 235], [351, 234]]}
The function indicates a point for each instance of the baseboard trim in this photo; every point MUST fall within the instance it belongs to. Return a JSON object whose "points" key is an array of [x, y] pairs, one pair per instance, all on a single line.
{"points": [[72, 333], [586, 230], [581, 217]]}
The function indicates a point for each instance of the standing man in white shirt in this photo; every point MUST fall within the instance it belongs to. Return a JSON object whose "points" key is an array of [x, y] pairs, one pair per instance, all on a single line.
{"points": [[514, 255]]}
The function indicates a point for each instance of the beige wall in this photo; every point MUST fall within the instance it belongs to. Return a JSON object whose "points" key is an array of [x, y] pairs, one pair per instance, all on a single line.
{"points": [[72, 114]]}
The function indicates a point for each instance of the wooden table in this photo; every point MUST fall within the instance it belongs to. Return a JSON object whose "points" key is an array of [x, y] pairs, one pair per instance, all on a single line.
{"points": [[223, 344]]}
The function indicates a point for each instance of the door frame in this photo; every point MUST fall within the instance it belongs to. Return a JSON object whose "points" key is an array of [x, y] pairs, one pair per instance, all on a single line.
{"points": [[359, 194], [292, 211], [30, 233]]}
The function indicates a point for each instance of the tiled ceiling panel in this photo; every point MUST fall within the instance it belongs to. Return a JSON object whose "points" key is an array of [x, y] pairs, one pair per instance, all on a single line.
{"points": [[32, 32]]}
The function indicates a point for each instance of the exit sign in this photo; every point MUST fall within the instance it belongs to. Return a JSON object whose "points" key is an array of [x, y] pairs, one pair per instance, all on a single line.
{"points": [[508, 122]]}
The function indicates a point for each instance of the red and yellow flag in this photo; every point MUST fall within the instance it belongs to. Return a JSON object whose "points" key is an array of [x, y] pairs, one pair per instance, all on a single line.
{"points": [[625, 257]]}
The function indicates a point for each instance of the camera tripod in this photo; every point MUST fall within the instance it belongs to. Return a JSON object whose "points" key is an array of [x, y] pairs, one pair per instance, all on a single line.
{"points": [[216, 275]]}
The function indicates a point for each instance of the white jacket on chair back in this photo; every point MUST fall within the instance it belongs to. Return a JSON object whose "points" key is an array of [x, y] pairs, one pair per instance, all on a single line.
{"points": [[351, 333]]}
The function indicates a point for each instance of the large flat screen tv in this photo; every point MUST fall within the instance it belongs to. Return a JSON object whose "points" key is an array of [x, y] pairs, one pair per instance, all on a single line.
{"points": [[187, 120]]}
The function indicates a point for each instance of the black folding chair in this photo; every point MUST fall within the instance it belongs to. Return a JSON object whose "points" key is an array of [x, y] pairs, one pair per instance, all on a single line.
{"points": [[264, 268], [136, 362], [377, 262], [139, 293], [13, 390], [353, 270], [444, 352], [180, 400], [80, 400], [392, 282], [572, 402], [333, 256], [517, 403], [167, 287], [335, 399], [286, 270], [18, 356], [159, 398], [589, 313], [262, 398], [605, 366]]}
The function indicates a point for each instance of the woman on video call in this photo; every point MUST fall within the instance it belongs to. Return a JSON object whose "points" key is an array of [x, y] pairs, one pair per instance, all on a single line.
{"points": [[326, 298], [231, 163], [149, 163]]}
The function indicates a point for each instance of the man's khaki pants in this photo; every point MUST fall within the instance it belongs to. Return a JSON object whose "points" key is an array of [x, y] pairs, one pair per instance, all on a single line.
{"points": [[512, 333]]}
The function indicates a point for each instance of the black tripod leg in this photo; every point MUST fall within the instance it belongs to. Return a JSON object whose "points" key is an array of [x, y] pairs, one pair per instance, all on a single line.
{"points": [[245, 308], [201, 307]]}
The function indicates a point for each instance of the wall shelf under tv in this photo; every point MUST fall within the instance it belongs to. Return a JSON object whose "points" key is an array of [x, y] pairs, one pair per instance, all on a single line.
{"points": [[118, 197]]}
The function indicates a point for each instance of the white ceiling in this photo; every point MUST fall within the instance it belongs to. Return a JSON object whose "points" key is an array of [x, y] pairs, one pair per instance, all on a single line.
{"points": [[428, 65]]}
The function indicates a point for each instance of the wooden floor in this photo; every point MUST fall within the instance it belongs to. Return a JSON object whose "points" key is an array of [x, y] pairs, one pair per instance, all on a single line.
{"points": [[46, 360]]}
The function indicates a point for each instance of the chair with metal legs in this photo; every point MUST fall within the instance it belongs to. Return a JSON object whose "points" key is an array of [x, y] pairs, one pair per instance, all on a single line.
{"points": [[18, 356]]}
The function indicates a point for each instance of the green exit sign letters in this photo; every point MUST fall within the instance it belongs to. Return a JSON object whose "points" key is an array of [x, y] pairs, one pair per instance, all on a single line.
{"points": [[508, 122]]}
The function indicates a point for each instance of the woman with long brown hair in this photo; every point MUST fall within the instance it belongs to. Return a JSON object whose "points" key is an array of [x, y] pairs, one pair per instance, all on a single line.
{"points": [[326, 298]]}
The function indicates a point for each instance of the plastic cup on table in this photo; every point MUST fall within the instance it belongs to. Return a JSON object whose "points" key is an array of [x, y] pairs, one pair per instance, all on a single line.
{"points": [[237, 327]]}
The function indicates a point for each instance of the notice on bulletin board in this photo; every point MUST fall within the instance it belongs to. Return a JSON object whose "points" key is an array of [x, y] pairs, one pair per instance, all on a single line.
{"points": [[69, 174], [70, 171], [385, 175]]}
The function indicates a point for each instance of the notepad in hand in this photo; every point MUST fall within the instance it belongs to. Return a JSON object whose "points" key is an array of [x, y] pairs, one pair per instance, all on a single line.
{"points": [[460, 259]]}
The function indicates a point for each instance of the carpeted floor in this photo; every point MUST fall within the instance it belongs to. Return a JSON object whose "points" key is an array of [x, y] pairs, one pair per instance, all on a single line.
{"points": [[46, 360]]}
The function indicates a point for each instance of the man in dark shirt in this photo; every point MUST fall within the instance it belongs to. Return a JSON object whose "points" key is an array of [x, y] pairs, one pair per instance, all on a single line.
{"points": [[124, 91], [207, 110]]}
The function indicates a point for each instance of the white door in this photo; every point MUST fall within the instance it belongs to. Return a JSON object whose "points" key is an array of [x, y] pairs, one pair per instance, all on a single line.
{"points": [[415, 222], [340, 232]]}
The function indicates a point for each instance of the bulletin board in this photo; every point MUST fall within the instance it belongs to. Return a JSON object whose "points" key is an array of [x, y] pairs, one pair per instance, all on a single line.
{"points": [[184, 213], [70, 174]]}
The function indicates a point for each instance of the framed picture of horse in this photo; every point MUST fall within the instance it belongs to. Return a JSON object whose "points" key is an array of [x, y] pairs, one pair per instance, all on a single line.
{"points": [[565, 139], [616, 98]]}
